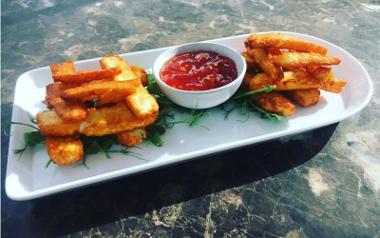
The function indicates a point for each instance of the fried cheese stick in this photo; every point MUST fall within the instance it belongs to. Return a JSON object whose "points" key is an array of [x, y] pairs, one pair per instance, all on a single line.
{"points": [[99, 122], [305, 98], [280, 40], [261, 57], [291, 60], [141, 102], [116, 62], [131, 138], [103, 92], [293, 80], [70, 111], [327, 78], [275, 102], [64, 150], [66, 73]]}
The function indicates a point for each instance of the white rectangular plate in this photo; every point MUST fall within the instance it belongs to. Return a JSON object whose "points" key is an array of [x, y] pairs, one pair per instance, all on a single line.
{"points": [[26, 178]]}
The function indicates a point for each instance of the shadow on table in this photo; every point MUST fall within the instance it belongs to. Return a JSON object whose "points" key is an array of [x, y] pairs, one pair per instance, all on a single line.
{"points": [[104, 203]]}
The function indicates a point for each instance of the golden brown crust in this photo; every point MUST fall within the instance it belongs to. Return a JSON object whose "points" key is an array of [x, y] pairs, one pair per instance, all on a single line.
{"points": [[64, 68], [327, 79], [64, 150], [140, 74], [292, 60], [142, 103], [80, 77], [131, 138], [103, 121], [257, 81], [275, 102], [283, 41], [116, 62], [102, 92], [70, 111], [299, 79], [109, 90], [302, 65], [305, 98], [50, 124], [293, 80], [113, 119], [261, 57]]}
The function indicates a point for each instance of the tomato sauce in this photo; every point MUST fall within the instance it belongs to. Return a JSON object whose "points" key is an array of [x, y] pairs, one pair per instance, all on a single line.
{"points": [[198, 71]]}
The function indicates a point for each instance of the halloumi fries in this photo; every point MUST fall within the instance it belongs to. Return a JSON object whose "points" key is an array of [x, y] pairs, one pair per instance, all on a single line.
{"points": [[70, 111], [275, 102], [113, 119], [291, 60], [140, 74], [273, 50], [67, 67], [109, 101], [280, 40], [131, 138], [293, 80], [116, 62], [142, 103], [103, 92], [50, 124], [303, 66], [261, 57], [102, 121], [256, 81], [66, 73], [327, 79], [305, 98], [64, 150]]}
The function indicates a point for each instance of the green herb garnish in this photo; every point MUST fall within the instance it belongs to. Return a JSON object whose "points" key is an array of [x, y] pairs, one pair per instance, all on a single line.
{"points": [[31, 138], [166, 118], [265, 89], [91, 145], [243, 103], [103, 144], [153, 87], [154, 134], [48, 163]]}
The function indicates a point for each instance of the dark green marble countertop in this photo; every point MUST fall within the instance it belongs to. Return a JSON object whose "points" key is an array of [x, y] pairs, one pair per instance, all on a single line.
{"points": [[323, 183]]}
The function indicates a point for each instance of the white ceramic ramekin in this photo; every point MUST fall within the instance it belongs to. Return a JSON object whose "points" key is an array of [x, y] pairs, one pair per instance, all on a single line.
{"points": [[200, 99]]}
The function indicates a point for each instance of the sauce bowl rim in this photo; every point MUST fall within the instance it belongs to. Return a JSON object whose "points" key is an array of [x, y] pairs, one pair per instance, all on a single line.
{"points": [[204, 46]]}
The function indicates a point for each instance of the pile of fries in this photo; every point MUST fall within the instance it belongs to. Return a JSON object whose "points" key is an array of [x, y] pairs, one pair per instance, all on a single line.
{"points": [[112, 100], [297, 69]]}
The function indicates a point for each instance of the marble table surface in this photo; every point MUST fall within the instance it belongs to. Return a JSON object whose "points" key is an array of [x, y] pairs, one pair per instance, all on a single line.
{"points": [[322, 183]]}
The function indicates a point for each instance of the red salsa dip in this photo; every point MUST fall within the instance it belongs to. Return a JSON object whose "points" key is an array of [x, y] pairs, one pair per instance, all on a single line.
{"points": [[198, 71]]}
